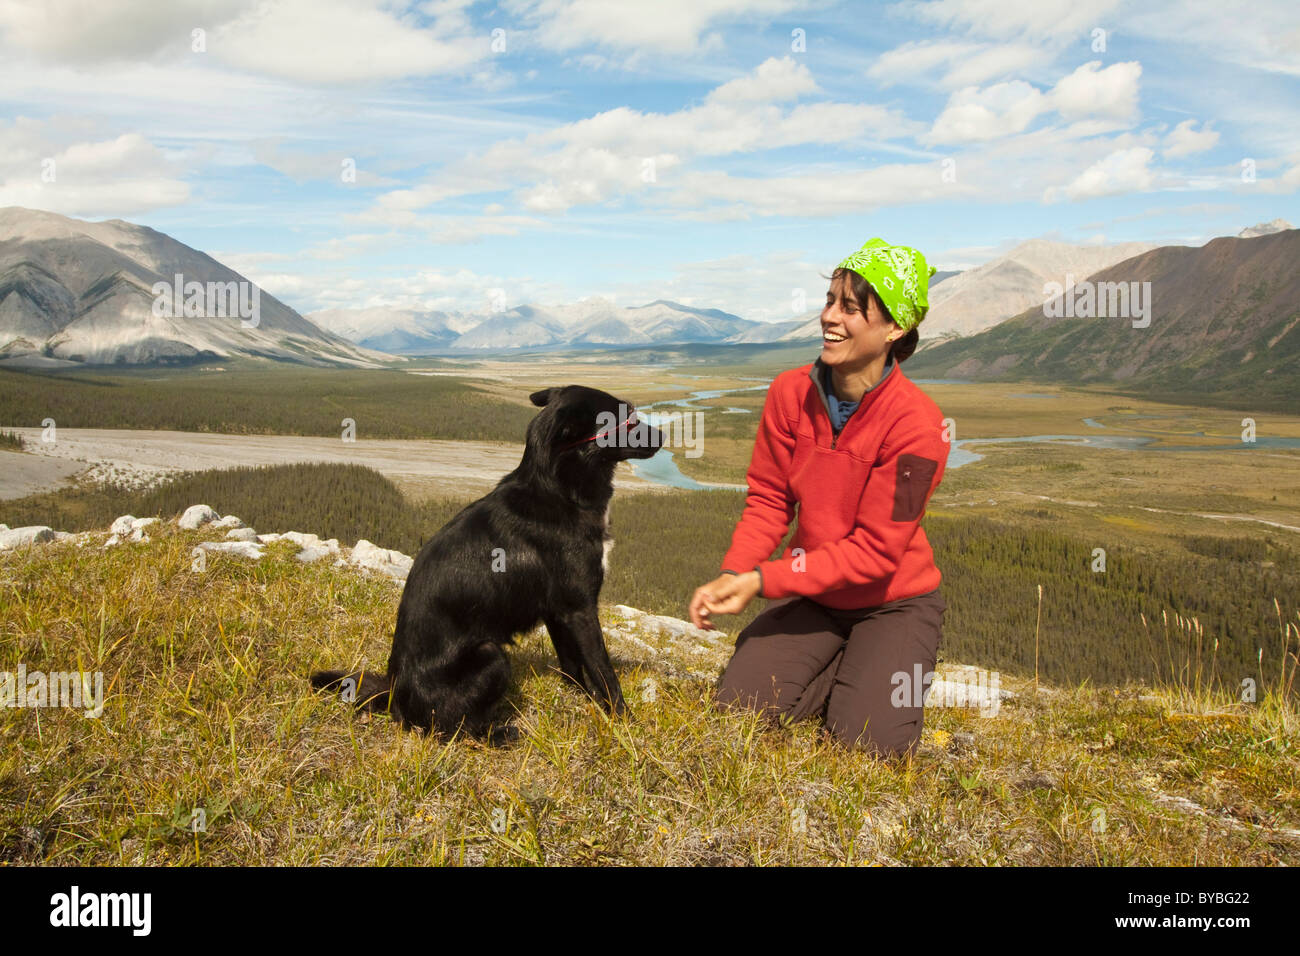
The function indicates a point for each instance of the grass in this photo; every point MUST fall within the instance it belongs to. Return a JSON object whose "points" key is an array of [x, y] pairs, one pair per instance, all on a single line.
{"points": [[208, 709], [667, 544], [1191, 662]]}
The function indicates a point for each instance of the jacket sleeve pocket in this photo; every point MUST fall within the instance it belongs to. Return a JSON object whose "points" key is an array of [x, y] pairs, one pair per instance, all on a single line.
{"points": [[912, 486]]}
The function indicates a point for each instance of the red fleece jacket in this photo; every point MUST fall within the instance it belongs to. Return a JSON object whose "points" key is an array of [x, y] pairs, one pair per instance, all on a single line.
{"points": [[861, 495]]}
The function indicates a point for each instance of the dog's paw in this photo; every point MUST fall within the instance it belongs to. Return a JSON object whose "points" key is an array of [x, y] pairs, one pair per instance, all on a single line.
{"points": [[502, 735]]}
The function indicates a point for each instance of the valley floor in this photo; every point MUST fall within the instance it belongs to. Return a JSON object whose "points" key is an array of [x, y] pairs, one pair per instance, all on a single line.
{"points": [[139, 458]]}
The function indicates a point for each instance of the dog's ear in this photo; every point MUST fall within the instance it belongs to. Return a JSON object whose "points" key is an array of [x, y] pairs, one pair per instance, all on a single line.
{"points": [[541, 398]]}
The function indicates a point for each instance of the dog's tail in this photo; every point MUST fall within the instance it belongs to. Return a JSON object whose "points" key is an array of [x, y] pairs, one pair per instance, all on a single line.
{"points": [[368, 691]]}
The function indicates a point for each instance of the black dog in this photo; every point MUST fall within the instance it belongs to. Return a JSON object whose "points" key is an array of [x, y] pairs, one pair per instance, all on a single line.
{"points": [[533, 549]]}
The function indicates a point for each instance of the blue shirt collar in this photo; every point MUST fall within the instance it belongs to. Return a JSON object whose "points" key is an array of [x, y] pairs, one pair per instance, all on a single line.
{"points": [[841, 410]]}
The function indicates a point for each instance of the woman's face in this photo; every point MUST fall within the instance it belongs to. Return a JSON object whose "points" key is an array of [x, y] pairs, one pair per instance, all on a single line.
{"points": [[850, 339]]}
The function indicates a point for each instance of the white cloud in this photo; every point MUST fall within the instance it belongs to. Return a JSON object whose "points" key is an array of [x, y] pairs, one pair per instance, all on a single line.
{"points": [[1091, 91], [120, 176], [1246, 33], [445, 290], [1184, 141], [91, 31], [319, 165], [974, 115], [610, 155], [671, 26], [1042, 19], [341, 41], [817, 193], [967, 64], [1287, 182], [1099, 98], [774, 81], [1125, 170], [325, 42]]}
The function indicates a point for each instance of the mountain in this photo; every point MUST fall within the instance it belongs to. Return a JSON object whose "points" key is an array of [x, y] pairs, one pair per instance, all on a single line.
{"points": [[594, 321], [780, 331], [524, 326], [74, 292], [1224, 325], [395, 331], [980, 298]]}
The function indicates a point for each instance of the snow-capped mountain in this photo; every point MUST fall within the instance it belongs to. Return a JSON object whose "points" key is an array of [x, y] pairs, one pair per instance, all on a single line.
{"points": [[593, 321]]}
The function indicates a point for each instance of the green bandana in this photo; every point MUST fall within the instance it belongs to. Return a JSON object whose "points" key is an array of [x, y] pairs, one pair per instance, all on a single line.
{"points": [[899, 275]]}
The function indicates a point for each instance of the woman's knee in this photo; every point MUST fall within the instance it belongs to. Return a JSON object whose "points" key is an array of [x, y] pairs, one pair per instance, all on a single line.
{"points": [[878, 734], [783, 659]]}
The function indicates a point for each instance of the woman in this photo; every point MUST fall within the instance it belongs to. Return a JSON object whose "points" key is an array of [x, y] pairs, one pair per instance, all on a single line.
{"points": [[852, 631]]}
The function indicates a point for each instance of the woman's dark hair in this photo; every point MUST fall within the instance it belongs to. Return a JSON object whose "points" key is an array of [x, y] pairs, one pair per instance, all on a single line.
{"points": [[904, 346]]}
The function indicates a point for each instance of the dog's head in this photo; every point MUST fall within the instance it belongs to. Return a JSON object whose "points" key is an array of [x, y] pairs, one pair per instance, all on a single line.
{"points": [[576, 420]]}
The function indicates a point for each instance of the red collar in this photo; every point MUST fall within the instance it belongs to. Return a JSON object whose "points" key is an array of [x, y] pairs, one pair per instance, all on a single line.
{"points": [[600, 434]]}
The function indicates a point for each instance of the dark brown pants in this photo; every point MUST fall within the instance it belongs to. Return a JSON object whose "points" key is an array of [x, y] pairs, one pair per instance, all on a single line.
{"points": [[857, 670]]}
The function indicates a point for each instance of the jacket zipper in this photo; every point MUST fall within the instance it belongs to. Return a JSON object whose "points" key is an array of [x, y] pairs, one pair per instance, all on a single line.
{"points": [[835, 436]]}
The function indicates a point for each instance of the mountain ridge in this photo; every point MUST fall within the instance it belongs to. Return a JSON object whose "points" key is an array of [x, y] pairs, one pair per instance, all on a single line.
{"points": [[1224, 324], [82, 293]]}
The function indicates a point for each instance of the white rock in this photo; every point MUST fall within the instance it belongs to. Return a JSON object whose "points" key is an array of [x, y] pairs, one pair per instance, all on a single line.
{"points": [[244, 549], [195, 516], [676, 627], [300, 539], [112, 540], [393, 563], [664, 624], [4, 527], [241, 534], [268, 538], [322, 549], [229, 521], [968, 691], [122, 525], [20, 537], [131, 527]]}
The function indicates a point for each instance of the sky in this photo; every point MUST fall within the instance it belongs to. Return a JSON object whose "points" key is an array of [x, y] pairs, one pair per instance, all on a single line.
{"points": [[718, 153]]}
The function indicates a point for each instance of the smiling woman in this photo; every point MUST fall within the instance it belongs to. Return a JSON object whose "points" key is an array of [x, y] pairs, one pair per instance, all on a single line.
{"points": [[858, 449]]}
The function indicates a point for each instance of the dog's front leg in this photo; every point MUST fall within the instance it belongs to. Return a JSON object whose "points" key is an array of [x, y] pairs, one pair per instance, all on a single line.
{"points": [[580, 631], [566, 650]]}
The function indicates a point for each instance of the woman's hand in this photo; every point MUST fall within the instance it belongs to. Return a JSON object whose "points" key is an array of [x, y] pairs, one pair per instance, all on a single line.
{"points": [[726, 594]]}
